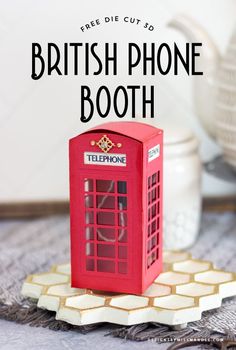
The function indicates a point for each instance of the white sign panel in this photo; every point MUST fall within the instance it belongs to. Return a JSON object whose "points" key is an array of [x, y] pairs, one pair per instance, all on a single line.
{"points": [[97, 158], [153, 153]]}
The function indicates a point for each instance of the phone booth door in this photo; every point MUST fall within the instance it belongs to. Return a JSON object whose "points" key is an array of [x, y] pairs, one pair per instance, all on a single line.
{"points": [[106, 224]]}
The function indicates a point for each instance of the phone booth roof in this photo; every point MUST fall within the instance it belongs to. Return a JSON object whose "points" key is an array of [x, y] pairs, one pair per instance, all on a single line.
{"points": [[138, 131]]}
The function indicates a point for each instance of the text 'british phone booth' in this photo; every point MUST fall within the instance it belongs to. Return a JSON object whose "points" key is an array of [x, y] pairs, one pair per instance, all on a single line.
{"points": [[116, 207]]}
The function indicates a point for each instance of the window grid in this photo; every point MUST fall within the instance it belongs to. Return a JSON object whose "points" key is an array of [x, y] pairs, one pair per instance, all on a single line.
{"points": [[106, 216], [153, 218]]}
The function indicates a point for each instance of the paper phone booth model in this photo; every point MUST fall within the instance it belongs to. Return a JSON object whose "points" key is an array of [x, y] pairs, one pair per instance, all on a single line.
{"points": [[116, 207]]}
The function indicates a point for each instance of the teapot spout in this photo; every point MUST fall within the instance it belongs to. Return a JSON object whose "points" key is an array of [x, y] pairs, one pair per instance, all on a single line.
{"points": [[208, 62]]}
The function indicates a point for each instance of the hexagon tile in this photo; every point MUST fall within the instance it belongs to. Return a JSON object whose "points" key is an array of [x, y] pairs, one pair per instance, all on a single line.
{"points": [[179, 295]]}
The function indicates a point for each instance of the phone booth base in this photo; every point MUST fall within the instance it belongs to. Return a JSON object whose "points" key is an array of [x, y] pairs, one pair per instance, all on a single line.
{"points": [[116, 207]]}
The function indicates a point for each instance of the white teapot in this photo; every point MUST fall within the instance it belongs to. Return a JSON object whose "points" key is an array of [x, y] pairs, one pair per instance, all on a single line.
{"points": [[215, 91]]}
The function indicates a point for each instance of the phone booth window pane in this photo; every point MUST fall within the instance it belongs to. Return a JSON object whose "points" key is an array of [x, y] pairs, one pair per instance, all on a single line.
{"points": [[89, 232], [122, 252], [106, 250], [122, 267], [122, 203], [88, 201], [154, 210], [89, 264], [149, 230], [122, 235], [122, 219], [105, 202], [154, 241], [88, 185], [105, 266], [90, 249], [106, 234], [153, 226], [149, 181], [105, 186], [154, 179], [89, 217], [105, 218], [157, 238], [149, 261], [158, 223], [153, 256], [154, 194], [122, 187], [149, 197], [149, 246]]}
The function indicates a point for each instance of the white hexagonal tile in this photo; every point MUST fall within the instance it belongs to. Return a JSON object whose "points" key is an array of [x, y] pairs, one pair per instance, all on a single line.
{"points": [[129, 302], [172, 278], [64, 268], [31, 290], [157, 290], [191, 266], [174, 302], [214, 277], [170, 257], [64, 290], [47, 279], [195, 289], [85, 301]]}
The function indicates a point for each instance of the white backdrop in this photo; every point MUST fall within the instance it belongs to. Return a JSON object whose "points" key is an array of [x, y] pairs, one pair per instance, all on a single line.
{"points": [[38, 117]]}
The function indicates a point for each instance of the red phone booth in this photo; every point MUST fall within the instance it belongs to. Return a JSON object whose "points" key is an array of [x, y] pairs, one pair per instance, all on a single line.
{"points": [[116, 207]]}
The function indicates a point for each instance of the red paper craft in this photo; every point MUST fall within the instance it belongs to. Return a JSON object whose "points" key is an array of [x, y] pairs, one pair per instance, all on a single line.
{"points": [[116, 207]]}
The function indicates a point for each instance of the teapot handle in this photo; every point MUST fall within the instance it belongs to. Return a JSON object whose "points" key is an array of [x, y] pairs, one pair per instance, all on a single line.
{"points": [[208, 62]]}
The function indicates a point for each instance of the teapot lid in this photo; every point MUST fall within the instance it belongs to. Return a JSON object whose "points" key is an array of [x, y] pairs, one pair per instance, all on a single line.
{"points": [[175, 134], [179, 141]]}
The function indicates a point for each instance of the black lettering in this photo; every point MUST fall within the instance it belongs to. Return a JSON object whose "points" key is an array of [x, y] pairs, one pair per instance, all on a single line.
{"points": [[150, 58], [115, 101], [85, 96], [65, 59], [86, 59], [97, 59], [195, 54], [37, 55], [131, 63], [177, 54], [100, 90], [169, 59], [52, 67], [150, 101], [75, 46], [112, 58], [133, 89]]}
